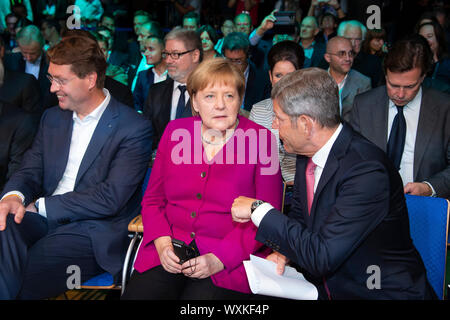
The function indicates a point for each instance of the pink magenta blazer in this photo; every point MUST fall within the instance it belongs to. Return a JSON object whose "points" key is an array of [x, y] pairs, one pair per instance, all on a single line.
{"points": [[189, 197]]}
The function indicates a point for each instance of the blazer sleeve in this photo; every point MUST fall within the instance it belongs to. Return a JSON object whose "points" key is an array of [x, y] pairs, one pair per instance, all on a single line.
{"points": [[22, 141], [28, 179], [240, 242], [361, 204], [154, 201]]}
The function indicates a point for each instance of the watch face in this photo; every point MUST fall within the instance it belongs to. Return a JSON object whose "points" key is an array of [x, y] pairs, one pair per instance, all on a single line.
{"points": [[256, 204]]}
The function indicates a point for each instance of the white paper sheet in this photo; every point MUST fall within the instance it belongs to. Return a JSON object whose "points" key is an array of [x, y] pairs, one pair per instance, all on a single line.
{"points": [[263, 279]]}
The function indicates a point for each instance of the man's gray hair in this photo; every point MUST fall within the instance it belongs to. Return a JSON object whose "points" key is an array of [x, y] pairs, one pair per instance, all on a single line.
{"points": [[190, 39], [30, 34], [351, 23], [311, 92]]}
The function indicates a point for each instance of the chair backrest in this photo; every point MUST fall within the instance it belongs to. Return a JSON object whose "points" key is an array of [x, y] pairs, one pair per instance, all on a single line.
{"points": [[428, 219]]}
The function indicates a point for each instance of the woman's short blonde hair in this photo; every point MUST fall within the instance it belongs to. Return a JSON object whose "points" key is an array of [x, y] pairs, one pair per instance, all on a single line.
{"points": [[212, 71]]}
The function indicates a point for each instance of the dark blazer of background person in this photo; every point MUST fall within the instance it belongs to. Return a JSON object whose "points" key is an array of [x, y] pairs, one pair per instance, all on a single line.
{"points": [[16, 62], [107, 189], [256, 88], [144, 80], [21, 90], [358, 219], [432, 147], [355, 84], [17, 130], [158, 106]]}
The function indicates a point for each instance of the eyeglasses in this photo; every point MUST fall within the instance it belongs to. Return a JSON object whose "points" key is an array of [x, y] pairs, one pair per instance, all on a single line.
{"points": [[342, 54], [174, 55], [59, 82]]}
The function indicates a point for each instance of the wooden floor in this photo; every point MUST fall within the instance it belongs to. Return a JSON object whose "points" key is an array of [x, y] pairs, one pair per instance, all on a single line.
{"points": [[87, 294]]}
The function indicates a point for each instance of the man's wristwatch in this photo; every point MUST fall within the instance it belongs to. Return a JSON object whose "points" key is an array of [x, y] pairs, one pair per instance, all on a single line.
{"points": [[255, 205]]}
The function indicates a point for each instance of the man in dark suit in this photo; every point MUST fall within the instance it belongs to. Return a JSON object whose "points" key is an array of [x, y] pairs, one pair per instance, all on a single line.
{"points": [[153, 47], [236, 49], [32, 60], [348, 213], [169, 99], [17, 129], [417, 117], [68, 206], [20, 89]]}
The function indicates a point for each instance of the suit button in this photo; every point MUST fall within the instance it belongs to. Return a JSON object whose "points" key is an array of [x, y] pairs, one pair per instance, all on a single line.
{"points": [[199, 196], [192, 235], [193, 214], [203, 174]]}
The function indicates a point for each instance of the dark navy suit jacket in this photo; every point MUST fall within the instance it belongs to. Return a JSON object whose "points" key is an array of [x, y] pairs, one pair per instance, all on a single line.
{"points": [[358, 219], [144, 81], [107, 190]]}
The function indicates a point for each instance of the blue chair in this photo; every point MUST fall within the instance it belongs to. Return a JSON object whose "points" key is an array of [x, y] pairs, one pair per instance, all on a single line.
{"points": [[106, 280], [428, 219], [100, 282]]}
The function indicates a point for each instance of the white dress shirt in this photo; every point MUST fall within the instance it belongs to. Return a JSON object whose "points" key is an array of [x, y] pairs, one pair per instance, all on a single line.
{"points": [[33, 68], [319, 158], [176, 96], [82, 132]]}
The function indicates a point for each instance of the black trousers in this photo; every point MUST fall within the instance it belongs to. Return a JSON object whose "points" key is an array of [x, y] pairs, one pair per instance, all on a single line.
{"points": [[34, 262], [158, 284]]}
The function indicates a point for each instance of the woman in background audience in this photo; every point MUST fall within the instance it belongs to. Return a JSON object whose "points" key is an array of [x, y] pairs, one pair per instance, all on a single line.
{"points": [[433, 32], [202, 164], [283, 58], [375, 43], [209, 39]]}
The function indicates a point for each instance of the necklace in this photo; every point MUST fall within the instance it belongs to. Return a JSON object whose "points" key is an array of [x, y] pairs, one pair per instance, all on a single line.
{"points": [[223, 140]]}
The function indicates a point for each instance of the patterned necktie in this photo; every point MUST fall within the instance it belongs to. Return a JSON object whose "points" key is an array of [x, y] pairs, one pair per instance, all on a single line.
{"points": [[309, 175], [181, 102], [396, 142]]}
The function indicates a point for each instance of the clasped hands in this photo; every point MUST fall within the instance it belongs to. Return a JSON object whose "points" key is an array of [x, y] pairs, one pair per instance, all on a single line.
{"points": [[200, 267]]}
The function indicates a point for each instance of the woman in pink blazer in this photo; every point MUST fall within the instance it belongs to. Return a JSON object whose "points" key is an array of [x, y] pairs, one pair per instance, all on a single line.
{"points": [[202, 164]]}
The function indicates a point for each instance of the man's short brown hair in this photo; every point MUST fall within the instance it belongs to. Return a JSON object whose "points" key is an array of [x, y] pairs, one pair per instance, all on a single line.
{"points": [[411, 52], [84, 56]]}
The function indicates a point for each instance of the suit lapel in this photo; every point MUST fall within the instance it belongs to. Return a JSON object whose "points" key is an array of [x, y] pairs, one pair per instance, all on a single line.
{"points": [[380, 121], [61, 148], [303, 198], [427, 118], [166, 102], [150, 77], [332, 165], [105, 127]]}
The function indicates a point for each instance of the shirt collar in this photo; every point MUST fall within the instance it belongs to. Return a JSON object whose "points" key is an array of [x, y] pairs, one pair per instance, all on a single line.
{"points": [[321, 156], [98, 111]]}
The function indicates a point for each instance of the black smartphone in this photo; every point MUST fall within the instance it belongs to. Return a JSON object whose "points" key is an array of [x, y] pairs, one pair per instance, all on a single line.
{"points": [[183, 251], [285, 23]]}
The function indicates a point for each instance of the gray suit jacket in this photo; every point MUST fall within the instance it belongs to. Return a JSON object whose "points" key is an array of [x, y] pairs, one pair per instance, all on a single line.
{"points": [[356, 83], [369, 116]]}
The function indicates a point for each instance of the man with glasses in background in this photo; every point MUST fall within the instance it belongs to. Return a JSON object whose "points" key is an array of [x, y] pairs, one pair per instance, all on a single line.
{"points": [[350, 82], [257, 86], [169, 99], [368, 64]]}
